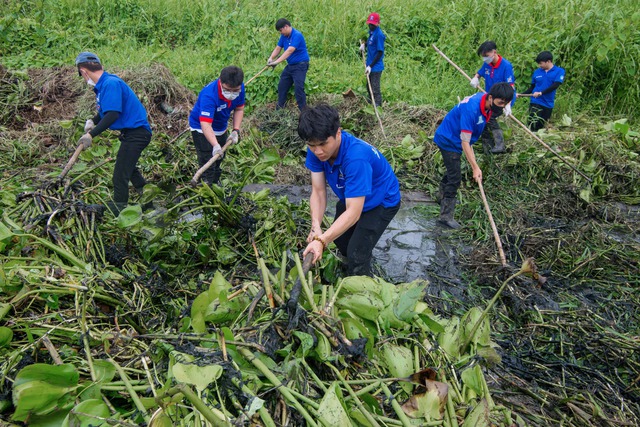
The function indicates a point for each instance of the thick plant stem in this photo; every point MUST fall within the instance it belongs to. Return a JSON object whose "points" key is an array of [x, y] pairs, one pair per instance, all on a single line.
{"points": [[202, 407], [396, 406], [264, 414], [355, 398], [278, 384], [131, 390]]}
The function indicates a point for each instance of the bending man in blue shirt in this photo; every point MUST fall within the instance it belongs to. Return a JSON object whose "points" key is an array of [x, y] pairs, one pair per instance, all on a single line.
{"points": [[495, 69], [297, 57], [375, 55], [544, 82], [209, 118], [361, 177], [461, 127], [118, 109]]}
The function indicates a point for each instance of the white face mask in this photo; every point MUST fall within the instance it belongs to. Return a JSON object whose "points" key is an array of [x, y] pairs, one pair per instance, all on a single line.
{"points": [[230, 95], [91, 82], [487, 59]]}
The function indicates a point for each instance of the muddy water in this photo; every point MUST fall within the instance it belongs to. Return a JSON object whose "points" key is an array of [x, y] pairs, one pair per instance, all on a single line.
{"points": [[412, 247]]}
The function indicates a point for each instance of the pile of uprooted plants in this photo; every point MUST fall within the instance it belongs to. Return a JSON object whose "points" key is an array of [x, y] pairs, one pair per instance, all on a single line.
{"points": [[200, 311]]}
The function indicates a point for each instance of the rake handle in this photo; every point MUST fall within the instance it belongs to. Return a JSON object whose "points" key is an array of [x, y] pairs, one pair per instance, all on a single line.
{"points": [[496, 236], [196, 177], [71, 162]]}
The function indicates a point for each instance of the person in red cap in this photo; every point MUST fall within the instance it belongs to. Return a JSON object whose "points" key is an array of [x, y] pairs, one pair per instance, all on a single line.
{"points": [[375, 55]]}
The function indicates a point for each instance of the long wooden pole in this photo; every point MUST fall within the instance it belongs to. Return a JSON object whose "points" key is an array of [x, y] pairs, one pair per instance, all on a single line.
{"points": [[259, 72], [196, 177], [373, 101], [496, 236], [522, 125], [71, 162]]}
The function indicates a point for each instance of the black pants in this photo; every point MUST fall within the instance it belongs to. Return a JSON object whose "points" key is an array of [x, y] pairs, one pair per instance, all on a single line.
{"points": [[374, 78], [451, 180], [203, 150], [357, 242], [491, 127], [293, 75], [132, 142], [538, 116]]}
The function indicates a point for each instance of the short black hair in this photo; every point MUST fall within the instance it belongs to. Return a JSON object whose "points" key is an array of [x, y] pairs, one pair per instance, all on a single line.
{"points": [[317, 124], [232, 76], [544, 56], [281, 23], [89, 66], [487, 46], [502, 91]]}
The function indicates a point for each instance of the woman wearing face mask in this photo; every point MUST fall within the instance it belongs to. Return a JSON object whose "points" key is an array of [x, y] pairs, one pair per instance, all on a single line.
{"points": [[495, 69], [209, 118], [118, 109], [461, 127]]}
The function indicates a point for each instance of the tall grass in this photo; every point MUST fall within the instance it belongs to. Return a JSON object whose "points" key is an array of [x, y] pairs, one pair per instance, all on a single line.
{"points": [[596, 41]]}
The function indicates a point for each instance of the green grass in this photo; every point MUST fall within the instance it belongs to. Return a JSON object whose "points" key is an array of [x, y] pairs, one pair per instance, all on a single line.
{"points": [[595, 40]]}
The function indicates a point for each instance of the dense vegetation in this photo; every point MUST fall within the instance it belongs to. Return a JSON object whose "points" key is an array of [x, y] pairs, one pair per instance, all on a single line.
{"points": [[596, 41]]}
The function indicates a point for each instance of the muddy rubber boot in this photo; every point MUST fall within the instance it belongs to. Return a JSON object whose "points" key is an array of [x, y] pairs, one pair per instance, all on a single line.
{"points": [[487, 144], [440, 194], [498, 139], [447, 206], [115, 207]]}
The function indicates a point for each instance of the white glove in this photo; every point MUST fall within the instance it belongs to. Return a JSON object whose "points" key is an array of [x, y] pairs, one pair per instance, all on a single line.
{"points": [[270, 63], [362, 47], [233, 137], [367, 70], [475, 82], [217, 149], [507, 110], [88, 125], [85, 140]]}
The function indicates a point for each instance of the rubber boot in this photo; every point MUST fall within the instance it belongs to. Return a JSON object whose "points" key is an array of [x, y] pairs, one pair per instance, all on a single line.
{"points": [[440, 193], [115, 207], [498, 139], [447, 206]]}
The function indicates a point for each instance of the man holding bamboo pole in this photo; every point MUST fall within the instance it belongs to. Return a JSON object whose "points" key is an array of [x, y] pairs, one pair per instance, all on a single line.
{"points": [[495, 69], [461, 127], [374, 64]]}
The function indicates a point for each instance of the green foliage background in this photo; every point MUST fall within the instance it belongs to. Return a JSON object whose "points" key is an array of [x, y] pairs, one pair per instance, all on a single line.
{"points": [[596, 41]]}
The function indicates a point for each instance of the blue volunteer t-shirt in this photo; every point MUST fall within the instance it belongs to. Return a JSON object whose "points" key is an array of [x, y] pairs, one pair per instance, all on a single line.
{"points": [[501, 71], [359, 170], [542, 80], [375, 44], [113, 94], [212, 107], [295, 39], [468, 117]]}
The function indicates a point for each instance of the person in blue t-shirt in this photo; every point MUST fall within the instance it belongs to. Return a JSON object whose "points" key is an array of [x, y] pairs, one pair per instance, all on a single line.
{"points": [[118, 108], [461, 127], [361, 177], [375, 55], [544, 82], [209, 118], [495, 69], [297, 57]]}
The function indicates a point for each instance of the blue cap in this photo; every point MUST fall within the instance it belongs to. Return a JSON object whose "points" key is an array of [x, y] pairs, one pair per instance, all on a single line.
{"points": [[87, 57]]}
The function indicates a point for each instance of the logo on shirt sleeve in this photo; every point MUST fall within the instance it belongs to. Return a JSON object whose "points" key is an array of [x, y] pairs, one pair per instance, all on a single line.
{"points": [[205, 113], [510, 80], [480, 120]]}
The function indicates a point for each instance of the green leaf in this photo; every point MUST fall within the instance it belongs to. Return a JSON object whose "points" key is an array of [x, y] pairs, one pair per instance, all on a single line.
{"points": [[130, 216], [399, 360], [331, 411], [199, 376], [479, 417], [306, 342], [5, 236], [41, 389], [473, 378], [367, 305], [6, 335], [90, 407]]}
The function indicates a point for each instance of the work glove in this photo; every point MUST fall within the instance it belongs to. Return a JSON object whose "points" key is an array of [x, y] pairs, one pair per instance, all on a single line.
{"points": [[475, 82], [85, 140], [362, 47], [233, 137], [88, 125], [217, 149], [270, 63], [367, 70], [507, 110]]}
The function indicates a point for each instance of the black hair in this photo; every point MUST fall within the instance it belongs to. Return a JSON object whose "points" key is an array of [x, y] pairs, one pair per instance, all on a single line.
{"points": [[90, 66], [487, 46], [318, 123], [282, 23], [232, 76], [502, 91], [544, 56]]}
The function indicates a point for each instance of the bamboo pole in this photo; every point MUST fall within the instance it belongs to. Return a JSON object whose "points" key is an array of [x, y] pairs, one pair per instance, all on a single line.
{"points": [[512, 117], [196, 177], [71, 162], [496, 236], [259, 72]]}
